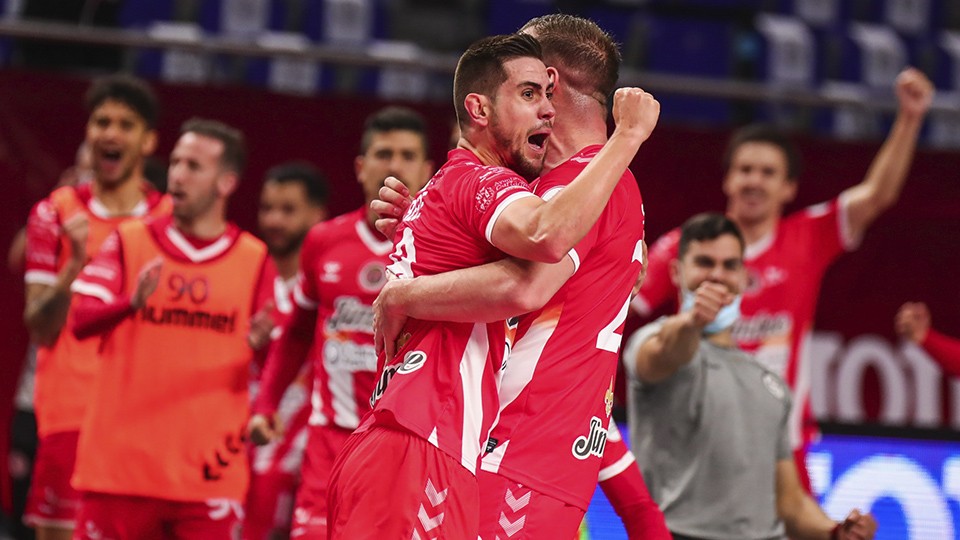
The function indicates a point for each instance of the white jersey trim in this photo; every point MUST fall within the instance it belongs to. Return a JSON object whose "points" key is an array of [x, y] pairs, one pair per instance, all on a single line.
{"points": [[98, 209], [215, 249], [40, 277], [758, 248], [491, 462], [472, 365], [302, 300], [374, 244], [281, 294], [499, 210], [92, 289], [616, 467]]}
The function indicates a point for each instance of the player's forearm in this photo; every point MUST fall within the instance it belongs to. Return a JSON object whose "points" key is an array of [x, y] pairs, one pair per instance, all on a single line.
{"points": [[285, 359], [804, 520], [554, 228], [945, 350], [94, 317], [672, 348], [888, 172], [46, 307], [486, 293]]}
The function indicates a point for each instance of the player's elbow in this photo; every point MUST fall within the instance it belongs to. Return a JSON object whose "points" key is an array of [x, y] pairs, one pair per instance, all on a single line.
{"points": [[548, 248], [528, 297]]}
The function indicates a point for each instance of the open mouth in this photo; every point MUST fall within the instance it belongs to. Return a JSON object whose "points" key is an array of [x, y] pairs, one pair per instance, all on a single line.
{"points": [[111, 157], [538, 140]]}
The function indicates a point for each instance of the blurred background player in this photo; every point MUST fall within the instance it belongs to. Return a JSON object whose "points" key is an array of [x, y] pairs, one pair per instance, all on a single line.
{"points": [[161, 449], [557, 355], [293, 199], [63, 232], [343, 268], [912, 323], [708, 422], [786, 257]]}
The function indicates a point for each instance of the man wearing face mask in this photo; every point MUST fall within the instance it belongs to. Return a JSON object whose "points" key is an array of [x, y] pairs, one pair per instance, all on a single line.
{"points": [[710, 424]]}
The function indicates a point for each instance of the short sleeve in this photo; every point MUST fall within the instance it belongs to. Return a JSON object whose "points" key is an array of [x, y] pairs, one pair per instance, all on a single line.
{"points": [[784, 446], [43, 244], [495, 189], [825, 226], [658, 288], [103, 276], [637, 339], [305, 292]]}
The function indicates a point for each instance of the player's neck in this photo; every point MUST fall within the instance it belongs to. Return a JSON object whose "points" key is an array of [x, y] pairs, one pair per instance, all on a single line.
{"points": [[287, 265], [755, 231], [723, 339], [120, 198], [576, 131], [205, 227]]}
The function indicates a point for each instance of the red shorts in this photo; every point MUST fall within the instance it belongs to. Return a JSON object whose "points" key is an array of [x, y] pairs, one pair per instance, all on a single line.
{"points": [[269, 507], [52, 502], [123, 517], [393, 484], [310, 512], [514, 511]]}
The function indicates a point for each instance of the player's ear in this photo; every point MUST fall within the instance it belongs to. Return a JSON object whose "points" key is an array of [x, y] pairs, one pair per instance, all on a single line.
{"points": [[478, 108], [149, 144], [675, 272], [358, 168], [227, 183], [554, 77]]}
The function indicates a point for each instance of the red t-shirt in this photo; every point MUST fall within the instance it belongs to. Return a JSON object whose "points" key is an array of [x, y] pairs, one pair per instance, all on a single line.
{"points": [[442, 385], [561, 371]]}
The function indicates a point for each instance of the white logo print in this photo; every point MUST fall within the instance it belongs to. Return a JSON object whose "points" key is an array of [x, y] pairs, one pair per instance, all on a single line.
{"points": [[412, 361], [593, 443]]}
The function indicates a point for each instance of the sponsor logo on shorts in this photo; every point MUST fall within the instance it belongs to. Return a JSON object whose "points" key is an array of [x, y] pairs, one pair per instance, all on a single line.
{"points": [[593, 443], [412, 361]]}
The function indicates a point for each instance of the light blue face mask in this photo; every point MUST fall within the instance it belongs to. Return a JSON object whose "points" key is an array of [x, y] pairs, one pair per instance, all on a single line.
{"points": [[725, 318]]}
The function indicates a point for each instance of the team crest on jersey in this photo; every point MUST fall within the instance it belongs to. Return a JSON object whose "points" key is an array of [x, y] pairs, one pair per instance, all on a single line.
{"points": [[774, 386], [372, 276], [593, 443], [608, 399], [484, 198], [412, 361]]}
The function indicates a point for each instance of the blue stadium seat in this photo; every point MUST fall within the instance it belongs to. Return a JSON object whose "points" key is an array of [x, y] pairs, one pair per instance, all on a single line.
{"points": [[507, 16]]}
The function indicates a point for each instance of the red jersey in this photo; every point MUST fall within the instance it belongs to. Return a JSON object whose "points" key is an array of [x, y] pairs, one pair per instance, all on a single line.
{"points": [[442, 385], [66, 369], [170, 400], [343, 267], [561, 371], [285, 454], [784, 274]]}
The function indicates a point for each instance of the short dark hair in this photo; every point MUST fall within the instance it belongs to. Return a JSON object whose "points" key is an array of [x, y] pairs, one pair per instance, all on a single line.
{"points": [[394, 119], [126, 89], [587, 55], [234, 155], [764, 133], [480, 69], [313, 181], [707, 226]]}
